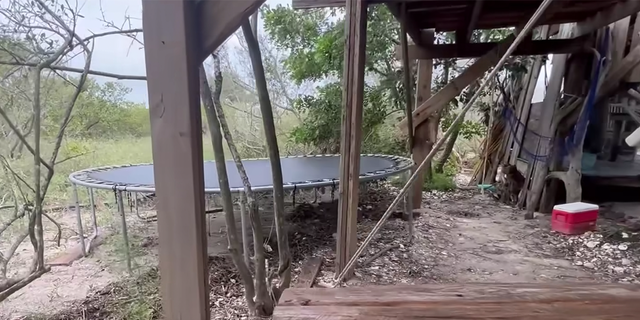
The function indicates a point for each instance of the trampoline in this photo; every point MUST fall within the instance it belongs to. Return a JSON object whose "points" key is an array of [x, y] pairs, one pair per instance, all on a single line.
{"points": [[299, 172]]}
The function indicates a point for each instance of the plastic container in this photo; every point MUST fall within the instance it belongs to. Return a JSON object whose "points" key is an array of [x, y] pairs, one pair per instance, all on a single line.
{"points": [[574, 218], [633, 140]]}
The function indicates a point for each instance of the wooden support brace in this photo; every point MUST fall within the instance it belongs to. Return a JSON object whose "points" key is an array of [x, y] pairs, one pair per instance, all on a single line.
{"points": [[484, 63], [438, 101], [217, 20], [473, 50], [172, 55], [425, 135], [355, 34], [634, 75], [524, 103]]}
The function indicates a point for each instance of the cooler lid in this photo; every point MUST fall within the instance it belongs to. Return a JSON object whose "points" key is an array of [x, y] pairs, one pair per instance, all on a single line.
{"points": [[576, 207]]}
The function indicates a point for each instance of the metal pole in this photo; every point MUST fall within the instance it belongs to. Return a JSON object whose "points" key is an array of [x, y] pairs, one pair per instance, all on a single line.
{"points": [[125, 235], [92, 203], [79, 219], [446, 135], [243, 223]]}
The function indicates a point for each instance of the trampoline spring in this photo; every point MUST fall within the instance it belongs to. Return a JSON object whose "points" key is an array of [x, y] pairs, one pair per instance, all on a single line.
{"points": [[315, 195]]}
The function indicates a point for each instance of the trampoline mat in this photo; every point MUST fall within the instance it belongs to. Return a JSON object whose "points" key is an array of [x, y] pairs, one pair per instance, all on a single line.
{"points": [[295, 171]]}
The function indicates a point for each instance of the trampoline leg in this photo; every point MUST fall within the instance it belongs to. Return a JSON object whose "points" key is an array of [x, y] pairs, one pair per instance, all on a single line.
{"points": [[79, 218], [408, 202], [125, 236], [92, 203], [135, 199], [243, 223]]}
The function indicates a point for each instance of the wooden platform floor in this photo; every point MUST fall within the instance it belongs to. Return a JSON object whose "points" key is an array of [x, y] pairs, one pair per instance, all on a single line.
{"points": [[530, 301]]}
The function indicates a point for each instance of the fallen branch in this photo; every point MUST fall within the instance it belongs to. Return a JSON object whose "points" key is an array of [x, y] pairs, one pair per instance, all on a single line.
{"points": [[19, 284], [380, 253]]}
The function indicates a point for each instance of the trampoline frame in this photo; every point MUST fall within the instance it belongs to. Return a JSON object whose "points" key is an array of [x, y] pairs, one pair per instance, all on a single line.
{"points": [[81, 178], [401, 164]]}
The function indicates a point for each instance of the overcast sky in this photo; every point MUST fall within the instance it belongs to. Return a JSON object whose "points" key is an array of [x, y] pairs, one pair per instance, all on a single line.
{"points": [[115, 53]]}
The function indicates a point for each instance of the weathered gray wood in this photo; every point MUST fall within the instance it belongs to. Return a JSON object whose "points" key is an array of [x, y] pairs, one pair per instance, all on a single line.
{"points": [[524, 105], [229, 15], [172, 60], [545, 129], [474, 50], [504, 301], [352, 95], [424, 136]]}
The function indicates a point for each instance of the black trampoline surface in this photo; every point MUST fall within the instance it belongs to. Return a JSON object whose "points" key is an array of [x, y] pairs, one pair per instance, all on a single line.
{"points": [[304, 171]]}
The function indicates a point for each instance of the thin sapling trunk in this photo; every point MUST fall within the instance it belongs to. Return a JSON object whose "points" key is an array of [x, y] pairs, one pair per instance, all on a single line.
{"points": [[284, 256]]}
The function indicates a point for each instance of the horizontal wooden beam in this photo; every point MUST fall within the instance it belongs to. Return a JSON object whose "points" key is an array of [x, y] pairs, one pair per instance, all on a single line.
{"points": [[217, 20], [606, 17], [532, 301], [474, 50]]}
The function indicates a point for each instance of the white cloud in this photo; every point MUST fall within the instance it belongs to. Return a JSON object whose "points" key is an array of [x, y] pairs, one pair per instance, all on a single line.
{"points": [[117, 54]]}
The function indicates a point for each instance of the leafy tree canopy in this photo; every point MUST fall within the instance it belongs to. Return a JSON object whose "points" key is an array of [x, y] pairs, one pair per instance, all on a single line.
{"points": [[314, 40]]}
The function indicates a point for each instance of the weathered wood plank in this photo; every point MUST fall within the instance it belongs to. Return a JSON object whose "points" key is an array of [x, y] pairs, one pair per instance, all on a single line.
{"points": [[524, 105], [455, 87], [545, 129], [473, 50], [217, 20], [424, 138], [634, 75], [619, 40], [352, 99], [309, 272], [172, 56], [548, 301]]}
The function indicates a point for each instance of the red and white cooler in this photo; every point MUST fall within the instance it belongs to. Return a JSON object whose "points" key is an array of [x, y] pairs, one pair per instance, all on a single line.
{"points": [[574, 218]]}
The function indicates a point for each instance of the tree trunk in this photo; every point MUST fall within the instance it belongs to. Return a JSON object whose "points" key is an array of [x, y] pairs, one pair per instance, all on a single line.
{"points": [[227, 202], [448, 149], [284, 257], [263, 301]]}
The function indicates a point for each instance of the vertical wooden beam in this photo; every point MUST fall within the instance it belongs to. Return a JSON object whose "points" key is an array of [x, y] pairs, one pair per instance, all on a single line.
{"points": [[463, 35], [634, 75], [351, 132], [423, 141], [172, 57], [524, 103], [619, 35], [545, 129], [408, 95]]}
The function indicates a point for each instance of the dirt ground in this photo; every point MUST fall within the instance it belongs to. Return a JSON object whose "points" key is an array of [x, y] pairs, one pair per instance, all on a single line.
{"points": [[461, 236]]}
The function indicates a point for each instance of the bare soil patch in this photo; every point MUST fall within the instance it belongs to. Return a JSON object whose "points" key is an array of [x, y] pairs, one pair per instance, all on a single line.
{"points": [[459, 237]]}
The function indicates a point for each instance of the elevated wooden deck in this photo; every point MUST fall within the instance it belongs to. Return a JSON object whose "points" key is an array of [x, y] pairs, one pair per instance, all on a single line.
{"points": [[543, 301]]}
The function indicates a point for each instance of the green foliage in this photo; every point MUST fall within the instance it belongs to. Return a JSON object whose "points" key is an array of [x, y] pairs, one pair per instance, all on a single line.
{"points": [[315, 43], [439, 182], [102, 110], [468, 128]]}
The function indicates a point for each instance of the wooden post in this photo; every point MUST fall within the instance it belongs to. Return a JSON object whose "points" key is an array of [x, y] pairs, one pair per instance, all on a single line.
{"points": [[524, 104], [172, 58], [545, 126], [634, 75], [408, 95], [352, 99], [573, 86], [423, 140]]}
